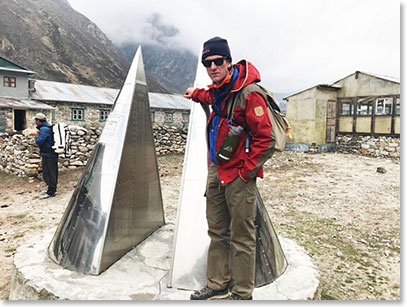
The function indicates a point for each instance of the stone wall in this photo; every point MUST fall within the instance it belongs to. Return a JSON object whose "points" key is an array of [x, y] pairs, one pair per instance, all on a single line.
{"points": [[19, 154], [380, 146], [7, 118], [91, 112]]}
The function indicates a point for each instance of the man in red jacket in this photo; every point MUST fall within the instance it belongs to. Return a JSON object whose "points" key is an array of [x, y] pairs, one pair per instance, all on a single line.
{"points": [[231, 182]]}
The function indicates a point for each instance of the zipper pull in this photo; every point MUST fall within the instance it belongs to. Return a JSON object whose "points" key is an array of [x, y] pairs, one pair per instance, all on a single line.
{"points": [[247, 142]]}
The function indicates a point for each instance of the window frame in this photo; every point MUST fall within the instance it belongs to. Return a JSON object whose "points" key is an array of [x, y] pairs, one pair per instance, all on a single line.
{"points": [[77, 109], [182, 116], [369, 105], [9, 81], [386, 101], [350, 111], [103, 113], [165, 117], [398, 106]]}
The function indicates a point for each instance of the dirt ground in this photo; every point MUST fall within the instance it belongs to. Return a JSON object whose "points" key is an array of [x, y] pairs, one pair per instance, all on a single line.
{"points": [[344, 213]]}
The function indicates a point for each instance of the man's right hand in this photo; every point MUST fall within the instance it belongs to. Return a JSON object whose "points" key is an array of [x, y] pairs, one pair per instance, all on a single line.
{"points": [[188, 93]]}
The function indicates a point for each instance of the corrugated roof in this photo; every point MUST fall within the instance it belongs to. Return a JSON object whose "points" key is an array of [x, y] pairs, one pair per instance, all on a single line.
{"points": [[58, 91], [16, 103], [68, 92], [388, 78], [333, 85], [169, 101]]}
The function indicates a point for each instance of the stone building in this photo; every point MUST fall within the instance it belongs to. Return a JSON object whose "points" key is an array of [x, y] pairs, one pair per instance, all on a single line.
{"points": [[360, 104], [16, 108], [21, 97], [84, 108], [84, 105]]}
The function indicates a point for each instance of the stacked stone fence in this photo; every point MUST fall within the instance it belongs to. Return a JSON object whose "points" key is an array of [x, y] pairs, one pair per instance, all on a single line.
{"points": [[19, 155], [380, 146]]}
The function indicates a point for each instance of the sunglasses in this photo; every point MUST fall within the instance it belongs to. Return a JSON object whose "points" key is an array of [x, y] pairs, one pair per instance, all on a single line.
{"points": [[218, 62]]}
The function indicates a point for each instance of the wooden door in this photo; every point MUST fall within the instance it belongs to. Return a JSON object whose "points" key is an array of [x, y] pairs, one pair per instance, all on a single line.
{"points": [[330, 121]]}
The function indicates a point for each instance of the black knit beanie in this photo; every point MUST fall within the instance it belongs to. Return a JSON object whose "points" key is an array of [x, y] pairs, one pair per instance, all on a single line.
{"points": [[216, 46]]}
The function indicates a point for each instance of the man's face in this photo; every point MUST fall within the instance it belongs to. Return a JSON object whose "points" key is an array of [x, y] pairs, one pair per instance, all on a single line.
{"points": [[37, 122], [217, 73]]}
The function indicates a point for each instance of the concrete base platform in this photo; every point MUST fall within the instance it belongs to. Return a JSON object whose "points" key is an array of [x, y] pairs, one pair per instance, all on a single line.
{"points": [[141, 274]]}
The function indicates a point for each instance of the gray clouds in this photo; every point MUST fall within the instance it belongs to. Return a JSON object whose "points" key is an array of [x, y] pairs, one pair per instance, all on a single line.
{"points": [[294, 43]]}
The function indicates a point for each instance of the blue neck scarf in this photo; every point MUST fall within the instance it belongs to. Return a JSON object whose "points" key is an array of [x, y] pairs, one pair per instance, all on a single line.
{"points": [[219, 96]]}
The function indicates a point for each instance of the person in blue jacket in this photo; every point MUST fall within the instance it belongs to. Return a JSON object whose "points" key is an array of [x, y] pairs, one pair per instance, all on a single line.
{"points": [[45, 139]]}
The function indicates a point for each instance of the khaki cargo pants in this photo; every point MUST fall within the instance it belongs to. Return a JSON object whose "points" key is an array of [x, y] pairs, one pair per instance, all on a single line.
{"points": [[230, 212]]}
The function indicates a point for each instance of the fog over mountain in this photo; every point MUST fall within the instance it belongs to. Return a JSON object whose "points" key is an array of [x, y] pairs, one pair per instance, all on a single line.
{"points": [[171, 66], [58, 43]]}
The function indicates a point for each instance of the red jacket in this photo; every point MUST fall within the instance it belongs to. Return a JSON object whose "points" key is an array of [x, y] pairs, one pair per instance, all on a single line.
{"points": [[248, 165]]}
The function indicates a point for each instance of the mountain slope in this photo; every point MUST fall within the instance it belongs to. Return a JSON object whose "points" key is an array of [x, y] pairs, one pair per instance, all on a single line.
{"points": [[173, 69], [60, 44]]}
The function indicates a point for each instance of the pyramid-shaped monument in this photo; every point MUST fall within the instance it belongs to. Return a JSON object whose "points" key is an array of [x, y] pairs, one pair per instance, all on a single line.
{"points": [[118, 202]]}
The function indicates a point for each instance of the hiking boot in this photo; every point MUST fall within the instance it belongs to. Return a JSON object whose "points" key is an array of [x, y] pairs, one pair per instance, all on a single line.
{"points": [[45, 196], [209, 294], [234, 296]]}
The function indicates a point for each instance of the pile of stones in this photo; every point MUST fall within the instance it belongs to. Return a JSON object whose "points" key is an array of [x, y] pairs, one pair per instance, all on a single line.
{"points": [[380, 146], [169, 139]]}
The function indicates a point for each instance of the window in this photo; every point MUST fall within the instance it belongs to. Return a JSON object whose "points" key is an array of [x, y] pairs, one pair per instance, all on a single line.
{"points": [[384, 106], [365, 106], [78, 114], [397, 106], [185, 118], [9, 81], [104, 114], [168, 117], [346, 107], [153, 116]]}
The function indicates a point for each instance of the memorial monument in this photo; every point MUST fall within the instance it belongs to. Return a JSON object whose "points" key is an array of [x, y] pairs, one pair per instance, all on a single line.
{"points": [[118, 201]]}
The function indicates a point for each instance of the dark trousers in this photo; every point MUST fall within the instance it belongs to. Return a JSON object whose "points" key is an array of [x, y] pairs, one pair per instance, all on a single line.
{"points": [[50, 173]]}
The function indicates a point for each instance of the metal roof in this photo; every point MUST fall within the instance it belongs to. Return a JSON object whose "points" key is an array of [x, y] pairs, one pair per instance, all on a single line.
{"points": [[58, 91], [388, 78], [334, 86], [29, 72], [26, 103], [68, 92], [7, 65], [169, 101]]}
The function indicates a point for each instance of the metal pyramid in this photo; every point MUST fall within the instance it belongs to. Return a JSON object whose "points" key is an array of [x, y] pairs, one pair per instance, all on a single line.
{"points": [[118, 201], [191, 241]]}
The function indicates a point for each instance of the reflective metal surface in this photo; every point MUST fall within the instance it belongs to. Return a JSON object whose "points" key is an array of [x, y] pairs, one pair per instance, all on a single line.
{"points": [[191, 241], [190, 238], [117, 202], [270, 259]]}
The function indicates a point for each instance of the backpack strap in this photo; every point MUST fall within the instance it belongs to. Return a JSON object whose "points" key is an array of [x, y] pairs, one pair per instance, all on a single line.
{"points": [[231, 108], [239, 99]]}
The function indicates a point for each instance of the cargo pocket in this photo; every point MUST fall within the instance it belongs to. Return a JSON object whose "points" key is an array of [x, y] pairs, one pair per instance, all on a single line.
{"points": [[250, 206]]}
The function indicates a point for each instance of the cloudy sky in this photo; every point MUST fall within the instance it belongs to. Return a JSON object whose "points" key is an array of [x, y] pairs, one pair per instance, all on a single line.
{"points": [[295, 44]]}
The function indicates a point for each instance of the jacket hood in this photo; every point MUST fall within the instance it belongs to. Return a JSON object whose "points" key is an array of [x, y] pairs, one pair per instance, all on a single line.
{"points": [[44, 124], [247, 75]]}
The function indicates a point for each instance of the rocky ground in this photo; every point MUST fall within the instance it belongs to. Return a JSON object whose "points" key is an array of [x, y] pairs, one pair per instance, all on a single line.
{"points": [[339, 207]]}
